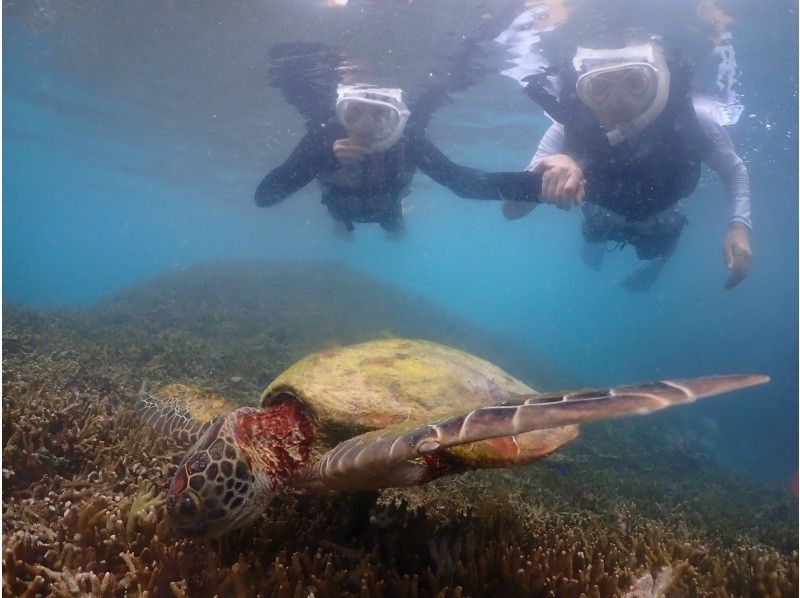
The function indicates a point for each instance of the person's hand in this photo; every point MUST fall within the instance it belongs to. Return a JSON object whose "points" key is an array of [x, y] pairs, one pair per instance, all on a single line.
{"points": [[738, 255], [563, 184], [349, 151]]}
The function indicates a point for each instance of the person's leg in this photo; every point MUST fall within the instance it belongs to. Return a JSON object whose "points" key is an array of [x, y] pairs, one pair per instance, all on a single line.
{"points": [[394, 223], [342, 220], [343, 230], [655, 248], [595, 229], [645, 276], [394, 232], [593, 254]]}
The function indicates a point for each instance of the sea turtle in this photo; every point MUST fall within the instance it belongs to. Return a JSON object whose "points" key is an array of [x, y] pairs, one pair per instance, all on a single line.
{"points": [[390, 412]]}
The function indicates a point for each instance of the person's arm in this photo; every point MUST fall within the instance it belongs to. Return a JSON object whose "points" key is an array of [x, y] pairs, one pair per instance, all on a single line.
{"points": [[563, 184], [551, 144], [472, 183], [723, 159], [295, 173]]}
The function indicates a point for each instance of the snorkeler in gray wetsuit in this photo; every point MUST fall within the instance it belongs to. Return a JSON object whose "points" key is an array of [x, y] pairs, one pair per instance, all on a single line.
{"points": [[365, 152], [627, 145]]}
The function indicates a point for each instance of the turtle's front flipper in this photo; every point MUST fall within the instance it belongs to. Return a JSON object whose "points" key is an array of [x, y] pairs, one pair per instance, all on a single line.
{"points": [[404, 456], [180, 411]]}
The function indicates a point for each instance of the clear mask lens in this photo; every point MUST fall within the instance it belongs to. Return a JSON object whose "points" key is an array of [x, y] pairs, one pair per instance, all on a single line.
{"points": [[369, 121], [638, 80], [635, 83]]}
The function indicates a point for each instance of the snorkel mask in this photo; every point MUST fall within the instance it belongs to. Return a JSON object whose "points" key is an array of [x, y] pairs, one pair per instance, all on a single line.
{"points": [[376, 116], [633, 80]]}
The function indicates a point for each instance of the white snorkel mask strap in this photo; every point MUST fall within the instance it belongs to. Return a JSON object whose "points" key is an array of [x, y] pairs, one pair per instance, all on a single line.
{"points": [[390, 99], [589, 62]]}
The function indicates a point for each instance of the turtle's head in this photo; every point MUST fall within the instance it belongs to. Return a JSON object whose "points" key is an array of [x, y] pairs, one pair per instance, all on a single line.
{"points": [[234, 470], [214, 489]]}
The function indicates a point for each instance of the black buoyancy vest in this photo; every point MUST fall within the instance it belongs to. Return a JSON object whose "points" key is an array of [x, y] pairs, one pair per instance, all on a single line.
{"points": [[356, 193], [643, 176]]}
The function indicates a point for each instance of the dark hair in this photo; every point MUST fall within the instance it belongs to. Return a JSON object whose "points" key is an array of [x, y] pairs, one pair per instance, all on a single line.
{"points": [[307, 73], [611, 24]]}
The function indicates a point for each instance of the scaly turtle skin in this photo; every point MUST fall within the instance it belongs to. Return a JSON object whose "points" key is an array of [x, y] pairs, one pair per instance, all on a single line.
{"points": [[379, 414]]}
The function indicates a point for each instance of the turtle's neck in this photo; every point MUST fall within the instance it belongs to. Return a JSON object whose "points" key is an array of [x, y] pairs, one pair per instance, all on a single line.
{"points": [[277, 439]]}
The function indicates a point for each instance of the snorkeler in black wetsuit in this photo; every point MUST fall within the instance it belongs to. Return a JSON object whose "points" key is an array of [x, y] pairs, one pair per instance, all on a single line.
{"points": [[372, 189], [365, 155]]}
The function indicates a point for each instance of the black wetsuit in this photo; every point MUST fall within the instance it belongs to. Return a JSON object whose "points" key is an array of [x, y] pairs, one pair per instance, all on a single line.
{"points": [[372, 190]]}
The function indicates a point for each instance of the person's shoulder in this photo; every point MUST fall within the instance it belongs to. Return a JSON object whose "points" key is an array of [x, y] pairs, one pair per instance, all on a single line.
{"points": [[708, 118], [705, 111], [414, 140], [329, 127]]}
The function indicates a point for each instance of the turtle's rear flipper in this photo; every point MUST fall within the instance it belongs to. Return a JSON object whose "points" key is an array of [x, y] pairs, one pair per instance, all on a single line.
{"points": [[405, 456], [180, 411]]}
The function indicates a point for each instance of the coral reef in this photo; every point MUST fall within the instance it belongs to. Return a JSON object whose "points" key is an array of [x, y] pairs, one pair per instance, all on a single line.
{"points": [[83, 510]]}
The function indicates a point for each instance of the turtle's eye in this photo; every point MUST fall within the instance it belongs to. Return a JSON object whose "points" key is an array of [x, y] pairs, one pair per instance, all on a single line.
{"points": [[186, 509]]}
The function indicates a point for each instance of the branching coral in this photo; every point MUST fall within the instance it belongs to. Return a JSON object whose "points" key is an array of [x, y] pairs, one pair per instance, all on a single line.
{"points": [[83, 514], [647, 587], [144, 506]]}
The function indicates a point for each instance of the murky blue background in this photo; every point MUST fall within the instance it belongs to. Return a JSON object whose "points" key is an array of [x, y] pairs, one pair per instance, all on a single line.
{"points": [[134, 137]]}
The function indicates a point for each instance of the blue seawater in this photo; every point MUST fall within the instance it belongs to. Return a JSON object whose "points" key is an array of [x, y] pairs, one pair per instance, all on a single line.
{"points": [[134, 139]]}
